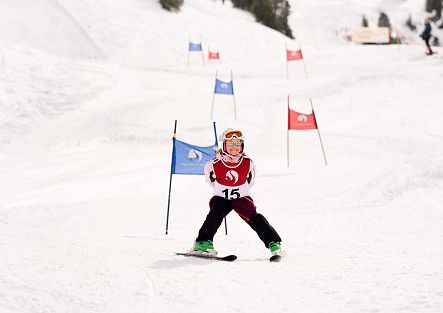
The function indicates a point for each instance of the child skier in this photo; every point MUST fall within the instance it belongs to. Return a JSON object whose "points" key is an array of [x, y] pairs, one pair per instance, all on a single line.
{"points": [[232, 174]]}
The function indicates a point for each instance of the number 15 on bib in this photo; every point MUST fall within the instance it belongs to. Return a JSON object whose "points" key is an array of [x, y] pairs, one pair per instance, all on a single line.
{"points": [[231, 193]]}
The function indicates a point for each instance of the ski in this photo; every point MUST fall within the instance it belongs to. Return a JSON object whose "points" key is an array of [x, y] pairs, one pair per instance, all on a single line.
{"points": [[275, 258], [228, 258]]}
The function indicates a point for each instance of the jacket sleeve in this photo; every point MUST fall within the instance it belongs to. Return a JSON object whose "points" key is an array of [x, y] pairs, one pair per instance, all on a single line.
{"points": [[209, 173], [251, 174]]}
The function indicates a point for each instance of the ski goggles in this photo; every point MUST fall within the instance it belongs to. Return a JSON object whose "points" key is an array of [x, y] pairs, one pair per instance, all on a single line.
{"points": [[233, 134], [231, 143]]}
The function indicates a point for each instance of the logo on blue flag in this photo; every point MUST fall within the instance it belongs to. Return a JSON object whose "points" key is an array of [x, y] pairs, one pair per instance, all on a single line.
{"points": [[189, 159], [222, 87], [195, 46]]}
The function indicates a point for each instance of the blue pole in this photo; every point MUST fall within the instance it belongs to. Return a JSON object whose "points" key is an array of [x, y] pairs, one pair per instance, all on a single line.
{"points": [[170, 177], [215, 134]]}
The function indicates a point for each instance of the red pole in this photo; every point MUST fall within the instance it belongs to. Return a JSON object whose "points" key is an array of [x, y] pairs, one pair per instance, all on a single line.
{"points": [[304, 65], [303, 60], [287, 135], [318, 131]]}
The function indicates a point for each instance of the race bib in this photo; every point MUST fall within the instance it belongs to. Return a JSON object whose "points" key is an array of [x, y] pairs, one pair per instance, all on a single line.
{"points": [[231, 193]]}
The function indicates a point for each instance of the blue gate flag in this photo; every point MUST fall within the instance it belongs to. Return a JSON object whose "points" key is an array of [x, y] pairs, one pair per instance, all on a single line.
{"points": [[195, 46], [190, 160], [222, 87]]}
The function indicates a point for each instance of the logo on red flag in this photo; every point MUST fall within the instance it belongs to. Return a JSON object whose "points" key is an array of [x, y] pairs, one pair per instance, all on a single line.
{"points": [[294, 55], [213, 55], [300, 121]]}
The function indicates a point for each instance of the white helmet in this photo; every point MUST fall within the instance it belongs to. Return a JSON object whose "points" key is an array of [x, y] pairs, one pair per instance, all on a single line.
{"points": [[229, 134]]}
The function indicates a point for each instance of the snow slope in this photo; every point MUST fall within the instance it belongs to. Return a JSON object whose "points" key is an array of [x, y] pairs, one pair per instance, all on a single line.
{"points": [[85, 142]]}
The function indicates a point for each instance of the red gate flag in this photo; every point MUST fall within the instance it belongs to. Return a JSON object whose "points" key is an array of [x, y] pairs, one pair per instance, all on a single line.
{"points": [[300, 121], [294, 55], [213, 55]]}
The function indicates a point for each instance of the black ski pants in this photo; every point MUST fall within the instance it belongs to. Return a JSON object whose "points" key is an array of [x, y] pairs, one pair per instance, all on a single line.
{"points": [[245, 208]]}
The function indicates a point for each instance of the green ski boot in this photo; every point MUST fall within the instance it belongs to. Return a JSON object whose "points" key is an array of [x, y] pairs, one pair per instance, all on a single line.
{"points": [[204, 247], [275, 248]]}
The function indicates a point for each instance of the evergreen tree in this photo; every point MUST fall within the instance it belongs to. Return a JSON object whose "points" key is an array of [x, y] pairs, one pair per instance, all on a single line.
{"points": [[383, 20], [264, 13], [242, 4], [272, 13], [364, 21], [411, 24], [171, 5], [434, 5], [282, 10]]}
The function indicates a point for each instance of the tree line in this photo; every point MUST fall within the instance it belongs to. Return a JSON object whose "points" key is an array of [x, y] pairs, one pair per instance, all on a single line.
{"points": [[272, 13]]}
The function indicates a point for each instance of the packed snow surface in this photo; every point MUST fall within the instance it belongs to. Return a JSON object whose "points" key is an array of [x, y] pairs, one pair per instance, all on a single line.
{"points": [[89, 92]]}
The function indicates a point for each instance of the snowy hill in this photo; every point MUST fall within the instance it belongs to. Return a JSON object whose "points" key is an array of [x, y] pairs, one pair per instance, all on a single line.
{"points": [[89, 92]]}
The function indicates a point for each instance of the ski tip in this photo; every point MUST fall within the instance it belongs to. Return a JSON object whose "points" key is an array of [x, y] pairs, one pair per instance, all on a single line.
{"points": [[275, 258], [230, 258]]}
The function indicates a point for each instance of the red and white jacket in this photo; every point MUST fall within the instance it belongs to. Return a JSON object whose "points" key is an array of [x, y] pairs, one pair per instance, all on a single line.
{"points": [[231, 177]]}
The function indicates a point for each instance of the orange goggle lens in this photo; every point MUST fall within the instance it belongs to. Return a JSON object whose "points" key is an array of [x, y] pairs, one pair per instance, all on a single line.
{"points": [[234, 134]]}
